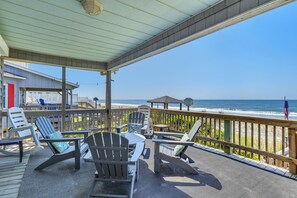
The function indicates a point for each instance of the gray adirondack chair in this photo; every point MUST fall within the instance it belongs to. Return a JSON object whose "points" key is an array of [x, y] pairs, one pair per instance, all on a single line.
{"points": [[165, 153], [22, 129], [110, 153], [148, 129], [75, 151], [134, 118]]}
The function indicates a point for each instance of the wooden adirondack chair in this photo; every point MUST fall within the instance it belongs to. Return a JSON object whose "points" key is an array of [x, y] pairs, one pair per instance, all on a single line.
{"points": [[148, 129], [110, 154], [22, 129], [76, 151], [164, 152], [135, 118]]}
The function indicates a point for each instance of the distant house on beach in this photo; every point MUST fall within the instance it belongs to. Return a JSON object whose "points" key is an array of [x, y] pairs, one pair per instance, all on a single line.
{"points": [[23, 86]]}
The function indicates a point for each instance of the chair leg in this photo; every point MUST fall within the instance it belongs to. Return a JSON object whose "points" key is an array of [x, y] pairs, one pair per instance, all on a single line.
{"points": [[92, 188], [132, 186], [21, 150], [185, 157]]}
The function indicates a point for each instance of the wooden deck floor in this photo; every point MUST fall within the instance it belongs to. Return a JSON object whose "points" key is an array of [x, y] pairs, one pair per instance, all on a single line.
{"points": [[11, 174]]}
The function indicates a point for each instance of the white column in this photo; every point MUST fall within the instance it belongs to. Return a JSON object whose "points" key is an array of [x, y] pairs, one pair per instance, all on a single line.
{"points": [[64, 98]]}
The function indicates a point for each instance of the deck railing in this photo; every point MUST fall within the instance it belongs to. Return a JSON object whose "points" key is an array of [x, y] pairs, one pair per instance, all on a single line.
{"points": [[272, 141], [265, 139], [91, 119]]}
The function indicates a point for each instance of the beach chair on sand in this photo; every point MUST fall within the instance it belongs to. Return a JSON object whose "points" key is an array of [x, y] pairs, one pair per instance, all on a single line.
{"points": [[22, 129], [148, 128], [175, 155], [110, 153], [59, 145], [135, 124]]}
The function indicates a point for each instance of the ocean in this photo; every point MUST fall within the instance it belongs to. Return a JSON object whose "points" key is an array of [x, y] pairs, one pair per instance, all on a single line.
{"points": [[266, 108]]}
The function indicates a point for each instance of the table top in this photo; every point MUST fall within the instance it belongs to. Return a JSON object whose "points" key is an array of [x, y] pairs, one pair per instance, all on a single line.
{"points": [[161, 126], [134, 138]]}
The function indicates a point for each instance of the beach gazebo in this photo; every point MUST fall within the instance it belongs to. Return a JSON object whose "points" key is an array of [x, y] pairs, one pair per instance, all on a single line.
{"points": [[165, 100]]}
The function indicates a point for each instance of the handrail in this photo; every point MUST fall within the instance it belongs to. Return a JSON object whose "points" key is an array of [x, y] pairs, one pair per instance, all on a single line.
{"points": [[269, 140], [242, 118]]}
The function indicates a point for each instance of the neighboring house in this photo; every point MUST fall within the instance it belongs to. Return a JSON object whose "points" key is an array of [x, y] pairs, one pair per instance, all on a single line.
{"points": [[19, 80]]}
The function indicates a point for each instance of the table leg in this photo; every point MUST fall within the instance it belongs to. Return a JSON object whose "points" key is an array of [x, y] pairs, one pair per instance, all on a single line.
{"points": [[157, 158], [21, 150]]}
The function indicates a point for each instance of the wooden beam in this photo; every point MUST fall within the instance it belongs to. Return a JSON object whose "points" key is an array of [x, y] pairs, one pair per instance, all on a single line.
{"points": [[34, 57], [222, 15], [4, 50]]}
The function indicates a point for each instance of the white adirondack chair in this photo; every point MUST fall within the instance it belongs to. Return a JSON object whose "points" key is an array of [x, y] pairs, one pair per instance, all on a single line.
{"points": [[147, 120], [22, 129]]}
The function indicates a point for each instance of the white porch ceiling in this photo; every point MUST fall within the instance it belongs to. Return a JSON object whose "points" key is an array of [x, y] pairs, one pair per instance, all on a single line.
{"points": [[62, 28], [59, 32]]}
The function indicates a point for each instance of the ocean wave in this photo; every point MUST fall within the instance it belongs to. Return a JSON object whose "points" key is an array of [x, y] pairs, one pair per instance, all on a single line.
{"points": [[273, 114], [292, 115]]}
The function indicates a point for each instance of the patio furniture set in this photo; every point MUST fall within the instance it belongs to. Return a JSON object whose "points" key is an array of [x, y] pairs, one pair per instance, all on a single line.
{"points": [[115, 155]]}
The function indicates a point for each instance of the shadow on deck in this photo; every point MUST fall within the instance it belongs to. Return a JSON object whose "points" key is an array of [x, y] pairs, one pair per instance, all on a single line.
{"points": [[219, 177]]}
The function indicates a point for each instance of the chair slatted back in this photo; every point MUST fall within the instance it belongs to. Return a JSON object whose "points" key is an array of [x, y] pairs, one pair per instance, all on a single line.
{"points": [[110, 155], [194, 130], [45, 128], [146, 111], [136, 118], [17, 119]]}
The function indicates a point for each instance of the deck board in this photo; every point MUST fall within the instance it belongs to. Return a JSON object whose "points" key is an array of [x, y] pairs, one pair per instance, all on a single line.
{"points": [[11, 175]]}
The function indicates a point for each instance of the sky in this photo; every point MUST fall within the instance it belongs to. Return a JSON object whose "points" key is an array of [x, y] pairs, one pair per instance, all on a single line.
{"points": [[254, 59]]}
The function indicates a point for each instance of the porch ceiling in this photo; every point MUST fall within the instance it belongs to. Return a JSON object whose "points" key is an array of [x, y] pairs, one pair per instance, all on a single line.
{"points": [[60, 32]]}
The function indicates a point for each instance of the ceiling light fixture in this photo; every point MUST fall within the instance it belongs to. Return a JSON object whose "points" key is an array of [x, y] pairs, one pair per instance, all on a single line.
{"points": [[92, 7]]}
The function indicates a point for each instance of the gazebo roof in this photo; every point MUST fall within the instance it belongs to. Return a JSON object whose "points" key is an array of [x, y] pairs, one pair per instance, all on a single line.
{"points": [[165, 99]]}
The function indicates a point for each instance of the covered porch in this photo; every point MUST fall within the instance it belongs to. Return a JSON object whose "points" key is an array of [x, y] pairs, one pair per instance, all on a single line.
{"points": [[61, 34]]}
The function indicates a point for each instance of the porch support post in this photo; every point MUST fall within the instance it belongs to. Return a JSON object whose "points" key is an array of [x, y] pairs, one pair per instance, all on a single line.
{"points": [[108, 101], [1, 92], [227, 135], [292, 149], [71, 99], [63, 96]]}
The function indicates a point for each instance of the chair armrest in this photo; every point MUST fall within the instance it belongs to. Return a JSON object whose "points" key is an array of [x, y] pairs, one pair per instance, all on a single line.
{"points": [[120, 127], [160, 141], [76, 132], [21, 128], [160, 134], [84, 132], [144, 127], [61, 140], [137, 152]]}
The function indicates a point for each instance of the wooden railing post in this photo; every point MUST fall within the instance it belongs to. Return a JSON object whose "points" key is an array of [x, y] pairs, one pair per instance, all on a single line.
{"points": [[227, 135], [293, 149]]}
